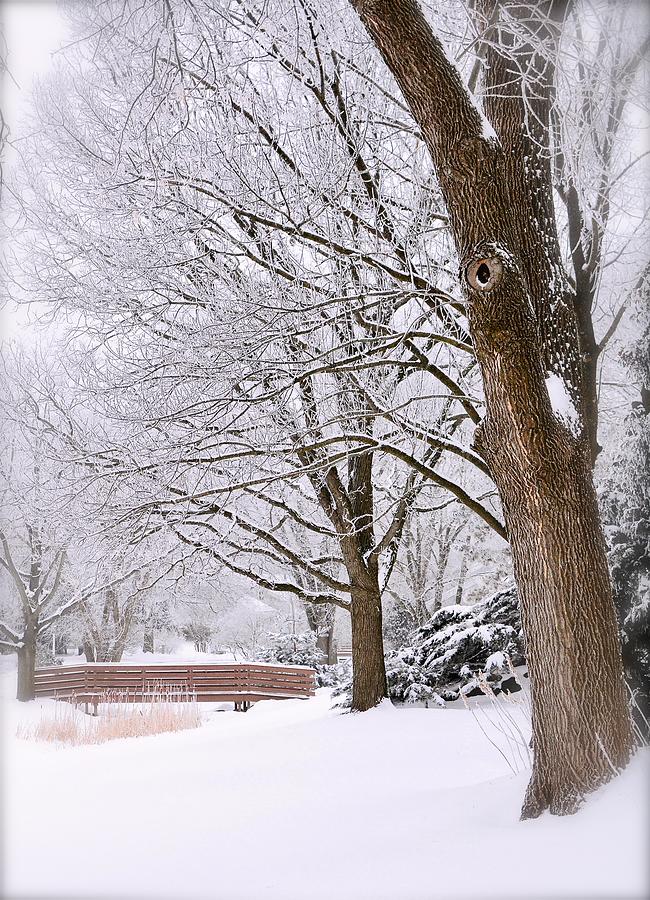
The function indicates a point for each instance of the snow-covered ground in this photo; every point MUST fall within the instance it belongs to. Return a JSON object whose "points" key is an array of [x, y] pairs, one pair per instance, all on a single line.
{"points": [[296, 801]]}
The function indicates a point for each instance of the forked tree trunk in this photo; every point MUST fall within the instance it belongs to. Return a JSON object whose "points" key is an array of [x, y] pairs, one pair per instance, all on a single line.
{"points": [[26, 665], [369, 682], [581, 726]]}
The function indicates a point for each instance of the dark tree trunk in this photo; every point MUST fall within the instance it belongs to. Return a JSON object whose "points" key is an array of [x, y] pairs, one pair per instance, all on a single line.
{"points": [[117, 651], [26, 666], [462, 574], [580, 716], [332, 657], [369, 672], [520, 321]]}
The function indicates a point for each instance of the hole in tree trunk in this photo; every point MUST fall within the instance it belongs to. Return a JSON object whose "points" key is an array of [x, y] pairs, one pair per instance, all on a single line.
{"points": [[484, 274]]}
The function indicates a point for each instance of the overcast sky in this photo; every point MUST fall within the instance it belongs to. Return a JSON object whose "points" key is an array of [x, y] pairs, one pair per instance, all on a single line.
{"points": [[33, 31]]}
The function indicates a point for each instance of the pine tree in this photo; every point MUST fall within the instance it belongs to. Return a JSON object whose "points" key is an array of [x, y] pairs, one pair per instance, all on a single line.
{"points": [[626, 512]]}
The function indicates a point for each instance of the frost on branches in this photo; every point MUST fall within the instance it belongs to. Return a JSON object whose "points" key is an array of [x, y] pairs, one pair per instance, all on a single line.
{"points": [[303, 650], [294, 650], [626, 513]]}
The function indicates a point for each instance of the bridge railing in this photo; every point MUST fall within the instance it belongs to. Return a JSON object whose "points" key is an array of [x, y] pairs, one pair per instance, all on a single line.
{"points": [[241, 683]]}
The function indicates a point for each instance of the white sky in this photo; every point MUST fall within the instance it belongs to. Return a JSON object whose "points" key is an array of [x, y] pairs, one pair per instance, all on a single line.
{"points": [[33, 31]]}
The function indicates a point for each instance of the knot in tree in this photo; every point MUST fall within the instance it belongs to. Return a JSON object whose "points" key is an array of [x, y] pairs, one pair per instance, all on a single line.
{"points": [[484, 274]]}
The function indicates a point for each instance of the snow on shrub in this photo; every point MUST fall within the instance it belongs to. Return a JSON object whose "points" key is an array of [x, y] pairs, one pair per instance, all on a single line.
{"points": [[293, 650], [408, 683], [458, 643], [301, 650], [450, 652], [335, 676]]}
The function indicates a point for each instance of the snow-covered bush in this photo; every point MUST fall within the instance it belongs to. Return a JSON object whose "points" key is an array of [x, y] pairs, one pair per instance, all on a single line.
{"points": [[461, 641], [199, 633], [335, 676], [301, 650], [408, 683], [457, 643], [449, 653], [293, 649], [44, 653]]}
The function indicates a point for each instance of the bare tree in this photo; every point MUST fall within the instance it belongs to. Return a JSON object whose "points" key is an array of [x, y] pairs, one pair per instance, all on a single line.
{"points": [[331, 319]]}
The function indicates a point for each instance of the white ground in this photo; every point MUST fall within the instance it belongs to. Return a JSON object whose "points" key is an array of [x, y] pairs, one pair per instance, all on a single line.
{"points": [[294, 801]]}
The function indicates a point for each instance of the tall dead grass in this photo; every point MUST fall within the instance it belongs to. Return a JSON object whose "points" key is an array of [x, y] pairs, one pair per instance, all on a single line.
{"points": [[505, 721], [67, 725]]}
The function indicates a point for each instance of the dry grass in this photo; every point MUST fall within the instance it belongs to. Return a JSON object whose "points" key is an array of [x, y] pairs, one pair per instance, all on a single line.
{"points": [[66, 725], [502, 721]]}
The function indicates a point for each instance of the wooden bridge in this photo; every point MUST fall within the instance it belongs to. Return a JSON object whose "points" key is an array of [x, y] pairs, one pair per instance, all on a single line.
{"points": [[238, 683]]}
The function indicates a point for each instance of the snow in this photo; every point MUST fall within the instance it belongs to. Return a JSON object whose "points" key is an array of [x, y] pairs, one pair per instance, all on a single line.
{"points": [[562, 403], [296, 801], [487, 131]]}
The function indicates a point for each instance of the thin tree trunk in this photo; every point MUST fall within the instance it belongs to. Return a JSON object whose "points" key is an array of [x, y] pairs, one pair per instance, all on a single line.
{"points": [[369, 672], [148, 639], [443, 559], [322, 641], [462, 574], [581, 725], [25, 689], [331, 645]]}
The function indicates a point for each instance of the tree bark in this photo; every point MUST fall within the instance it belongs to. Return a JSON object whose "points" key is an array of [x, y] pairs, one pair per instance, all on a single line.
{"points": [[320, 618], [439, 585], [332, 657], [581, 725], [25, 688], [462, 573], [148, 639], [369, 685]]}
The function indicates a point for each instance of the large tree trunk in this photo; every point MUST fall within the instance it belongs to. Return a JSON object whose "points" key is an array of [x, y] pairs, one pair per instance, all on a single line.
{"points": [[117, 652], [26, 666], [369, 672], [580, 717], [520, 322]]}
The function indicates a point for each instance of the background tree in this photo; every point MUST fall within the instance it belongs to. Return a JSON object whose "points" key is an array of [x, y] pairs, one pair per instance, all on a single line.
{"points": [[310, 399]]}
